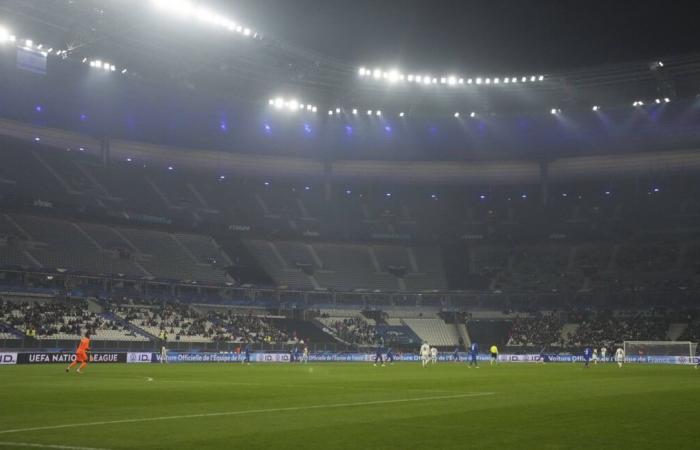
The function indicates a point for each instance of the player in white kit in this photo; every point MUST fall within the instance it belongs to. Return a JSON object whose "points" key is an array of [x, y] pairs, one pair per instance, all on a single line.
{"points": [[425, 353], [603, 352], [433, 355], [620, 356], [163, 355], [595, 356]]}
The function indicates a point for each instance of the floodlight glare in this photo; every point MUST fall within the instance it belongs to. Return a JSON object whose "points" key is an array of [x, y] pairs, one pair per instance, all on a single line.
{"points": [[667, 100], [354, 111], [362, 71], [451, 80], [472, 114], [4, 35], [379, 113], [457, 115], [596, 108], [401, 114], [377, 73], [369, 112]]}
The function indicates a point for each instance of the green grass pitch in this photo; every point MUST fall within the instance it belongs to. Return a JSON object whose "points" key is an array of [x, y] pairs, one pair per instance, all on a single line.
{"points": [[350, 406]]}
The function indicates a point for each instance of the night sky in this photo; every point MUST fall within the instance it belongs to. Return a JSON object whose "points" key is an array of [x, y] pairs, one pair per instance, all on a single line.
{"points": [[479, 35]]}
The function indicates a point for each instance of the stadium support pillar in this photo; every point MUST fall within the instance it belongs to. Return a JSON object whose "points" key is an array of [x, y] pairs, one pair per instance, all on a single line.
{"points": [[104, 150], [327, 184], [544, 182]]}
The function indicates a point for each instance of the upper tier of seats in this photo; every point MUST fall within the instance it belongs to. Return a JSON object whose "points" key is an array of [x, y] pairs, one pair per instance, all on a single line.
{"points": [[40, 242]]}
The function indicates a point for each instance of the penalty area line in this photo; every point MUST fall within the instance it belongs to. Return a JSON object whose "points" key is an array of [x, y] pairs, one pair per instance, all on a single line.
{"points": [[30, 445], [248, 411]]}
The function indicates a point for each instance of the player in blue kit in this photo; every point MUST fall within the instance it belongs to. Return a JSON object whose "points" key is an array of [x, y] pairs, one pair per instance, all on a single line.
{"points": [[455, 355], [587, 354], [390, 355], [246, 358], [473, 353]]}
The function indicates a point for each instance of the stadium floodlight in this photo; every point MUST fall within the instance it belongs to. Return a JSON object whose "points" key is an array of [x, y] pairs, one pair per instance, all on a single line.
{"points": [[279, 102], [28, 43], [595, 108], [394, 76], [667, 100], [540, 78], [378, 113], [506, 80], [377, 74], [354, 111], [523, 79], [5, 35], [478, 80], [470, 81], [533, 78], [401, 114], [456, 115], [461, 81], [487, 81], [369, 112], [443, 80], [472, 114], [426, 79], [554, 111], [435, 80], [293, 105], [452, 80], [337, 110], [496, 80], [186, 10], [314, 109], [330, 112], [514, 80], [410, 78], [362, 71]]}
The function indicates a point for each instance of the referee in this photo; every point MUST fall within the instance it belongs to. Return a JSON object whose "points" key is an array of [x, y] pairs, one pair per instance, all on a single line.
{"points": [[494, 354]]}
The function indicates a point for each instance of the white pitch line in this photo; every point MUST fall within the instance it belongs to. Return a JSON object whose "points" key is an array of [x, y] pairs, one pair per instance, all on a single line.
{"points": [[27, 444], [248, 411]]}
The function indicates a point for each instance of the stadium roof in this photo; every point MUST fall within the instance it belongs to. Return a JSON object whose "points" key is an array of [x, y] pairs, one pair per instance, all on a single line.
{"points": [[473, 58]]}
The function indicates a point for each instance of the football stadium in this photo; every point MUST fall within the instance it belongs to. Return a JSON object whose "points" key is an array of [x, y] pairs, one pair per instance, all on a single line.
{"points": [[332, 224]]}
